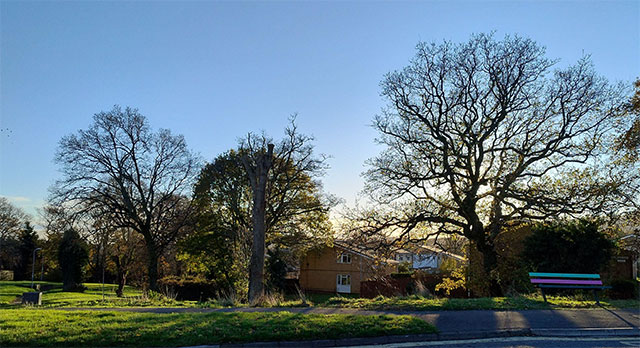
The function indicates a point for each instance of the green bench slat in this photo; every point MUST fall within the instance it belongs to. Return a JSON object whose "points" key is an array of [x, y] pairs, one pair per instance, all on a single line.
{"points": [[564, 275]]}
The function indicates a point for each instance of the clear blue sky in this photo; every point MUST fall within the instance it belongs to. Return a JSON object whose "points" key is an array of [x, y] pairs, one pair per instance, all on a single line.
{"points": [[215, 70]]}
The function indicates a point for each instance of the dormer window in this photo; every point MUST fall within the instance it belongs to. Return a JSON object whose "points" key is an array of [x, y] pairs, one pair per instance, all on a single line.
{"points": [[344, 258]]}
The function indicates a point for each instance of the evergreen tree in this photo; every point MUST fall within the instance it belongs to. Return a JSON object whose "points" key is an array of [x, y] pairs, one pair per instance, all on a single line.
{"points": [[72, 256], [28, 242]]}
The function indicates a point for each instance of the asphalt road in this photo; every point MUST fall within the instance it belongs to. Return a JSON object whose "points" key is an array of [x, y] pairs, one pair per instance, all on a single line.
{"points": [[521, 342]]}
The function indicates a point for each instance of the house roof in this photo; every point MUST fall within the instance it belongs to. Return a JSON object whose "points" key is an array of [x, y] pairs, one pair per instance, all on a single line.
{"points": [[344, 246], [439, 251], [431, 249]]}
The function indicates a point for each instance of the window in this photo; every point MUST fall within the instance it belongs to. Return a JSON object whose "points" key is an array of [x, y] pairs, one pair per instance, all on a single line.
{"points": [[344, 258], [344, 279]]}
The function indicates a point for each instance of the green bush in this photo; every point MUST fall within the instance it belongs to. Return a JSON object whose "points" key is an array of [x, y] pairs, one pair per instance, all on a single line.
{"points": [[567, 247], [455, 280], [276, 271], [400, 275], [190, 288], [404, 267], [623, 289]]}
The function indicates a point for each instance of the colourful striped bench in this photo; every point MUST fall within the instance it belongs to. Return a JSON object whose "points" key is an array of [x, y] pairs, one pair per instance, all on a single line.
{"points": [[567, 281]]}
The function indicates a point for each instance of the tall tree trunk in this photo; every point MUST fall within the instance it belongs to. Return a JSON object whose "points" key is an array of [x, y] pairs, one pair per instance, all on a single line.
{"points": [[256, 264], [121, 275], [122, 281], [483, 238], [258, 177], [490, 264], [152, 264]]}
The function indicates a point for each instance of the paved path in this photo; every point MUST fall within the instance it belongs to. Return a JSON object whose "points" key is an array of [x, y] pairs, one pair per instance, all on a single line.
{"points": [[460, 321]]}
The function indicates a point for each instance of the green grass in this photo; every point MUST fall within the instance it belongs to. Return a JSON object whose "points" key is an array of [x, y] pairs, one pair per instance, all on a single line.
{"points": [[9, 292], [499, 303], [91, 297], [37, 327]]}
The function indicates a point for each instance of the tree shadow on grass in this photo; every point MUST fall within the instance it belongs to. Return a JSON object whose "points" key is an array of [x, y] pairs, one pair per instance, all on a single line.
{"points": [[146, 329]]}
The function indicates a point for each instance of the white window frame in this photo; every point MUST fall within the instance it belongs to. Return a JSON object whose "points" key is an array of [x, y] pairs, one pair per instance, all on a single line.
{"points": [[344, 277], [341, 258]]}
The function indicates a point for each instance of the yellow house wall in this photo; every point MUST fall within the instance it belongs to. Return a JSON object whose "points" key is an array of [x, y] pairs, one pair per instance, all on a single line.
{"points": [[318, 270]]}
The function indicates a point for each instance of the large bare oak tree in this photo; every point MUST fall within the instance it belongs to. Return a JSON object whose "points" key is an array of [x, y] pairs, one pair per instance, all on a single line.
{"points": [[484, 133], [118, 166]]}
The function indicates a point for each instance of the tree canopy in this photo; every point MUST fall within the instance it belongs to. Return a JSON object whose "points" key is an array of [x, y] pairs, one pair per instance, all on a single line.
{"points": [[11, 219], [296, 211], [140, 178], [486, 132]]}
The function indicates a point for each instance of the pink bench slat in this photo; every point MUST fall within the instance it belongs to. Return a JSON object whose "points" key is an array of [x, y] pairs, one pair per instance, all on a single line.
{"points": [[566, 281]]}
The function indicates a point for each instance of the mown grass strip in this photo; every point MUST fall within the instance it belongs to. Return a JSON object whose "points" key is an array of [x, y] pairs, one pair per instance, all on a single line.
{"points": [[92, 298], [418, 303], [49, 328]]}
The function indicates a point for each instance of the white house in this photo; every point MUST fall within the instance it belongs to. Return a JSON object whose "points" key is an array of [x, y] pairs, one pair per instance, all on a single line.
{"points": [[425, 257]]}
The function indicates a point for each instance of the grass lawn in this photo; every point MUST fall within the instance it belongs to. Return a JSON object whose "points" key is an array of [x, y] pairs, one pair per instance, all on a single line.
{"points": [[46, 328], [92, 297]]}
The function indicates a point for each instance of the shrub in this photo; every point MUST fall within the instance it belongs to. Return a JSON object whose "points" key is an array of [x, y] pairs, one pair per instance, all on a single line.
{"points": [[404, 267], [190, 288], [6, 275], [418, 288], [454, 281], [276, 271], [623, 289], [400, 275], [573, 247]]}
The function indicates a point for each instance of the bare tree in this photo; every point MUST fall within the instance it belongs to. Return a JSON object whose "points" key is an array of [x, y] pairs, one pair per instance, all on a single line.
{"points": [[257, 166], [140, 178], [629, 141], [11, 220], [283, 174], [482, 134]]}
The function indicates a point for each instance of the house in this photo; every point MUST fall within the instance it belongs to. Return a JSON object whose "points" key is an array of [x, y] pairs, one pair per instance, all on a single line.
{"points": [[626, 261], [426, 257], [340, 269]]}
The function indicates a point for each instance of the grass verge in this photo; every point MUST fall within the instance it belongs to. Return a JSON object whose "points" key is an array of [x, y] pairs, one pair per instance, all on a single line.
{"points": [[418, 303], [92, 297], [48, 328]]}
